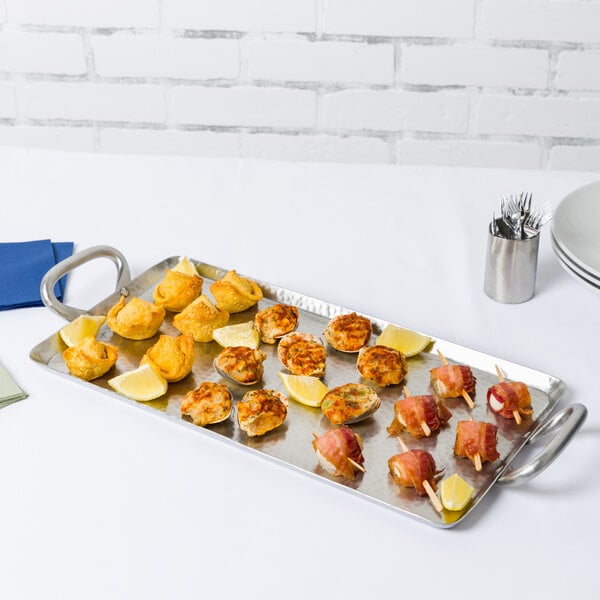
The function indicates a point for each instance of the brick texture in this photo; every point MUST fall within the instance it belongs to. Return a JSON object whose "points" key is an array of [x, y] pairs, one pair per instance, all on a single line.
{"points": [[8, 103], [579, 71]]}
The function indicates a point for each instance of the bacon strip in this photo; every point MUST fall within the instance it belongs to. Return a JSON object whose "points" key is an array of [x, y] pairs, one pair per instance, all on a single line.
{"points": [[507, 397], [449, 381], [335, 447], [412, 468], [411, 412], [476, 437]]}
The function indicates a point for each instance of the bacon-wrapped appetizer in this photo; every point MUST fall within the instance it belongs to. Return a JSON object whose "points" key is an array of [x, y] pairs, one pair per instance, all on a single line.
{"points": [[476, 440], [275, 321], [348, 333], [302, 354], [412, 469], [419, 415], [509, 397], [339, 452], [382, 365], [450, 381]]}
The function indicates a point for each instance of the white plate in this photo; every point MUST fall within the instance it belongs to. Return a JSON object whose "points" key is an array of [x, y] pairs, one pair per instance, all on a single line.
{"points": [[583, 273], [576, 227], [572, 269]]}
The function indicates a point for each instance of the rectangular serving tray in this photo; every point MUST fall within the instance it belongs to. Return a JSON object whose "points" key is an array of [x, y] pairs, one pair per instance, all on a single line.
{"points": [[290, 444]]}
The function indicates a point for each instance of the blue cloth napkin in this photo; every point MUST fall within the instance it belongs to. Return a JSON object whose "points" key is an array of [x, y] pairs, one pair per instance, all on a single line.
{"points": [[22, 267]]}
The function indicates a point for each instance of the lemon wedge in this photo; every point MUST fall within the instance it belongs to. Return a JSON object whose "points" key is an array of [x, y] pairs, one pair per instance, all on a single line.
{"points": [[304, 389], [81, 327], [409, 342], [143, 384], [455, 492], [242, 334], [185, 265]]}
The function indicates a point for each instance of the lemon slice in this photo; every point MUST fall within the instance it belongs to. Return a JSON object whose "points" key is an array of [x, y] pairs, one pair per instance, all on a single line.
{"points": [[185, 265], [304, 389], [409, 342], [242, 334], [81, 327], [455, 492], [143, 384]]}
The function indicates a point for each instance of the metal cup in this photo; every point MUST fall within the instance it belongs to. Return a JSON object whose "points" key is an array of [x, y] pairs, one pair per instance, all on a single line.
{"points": [[510, 268]]}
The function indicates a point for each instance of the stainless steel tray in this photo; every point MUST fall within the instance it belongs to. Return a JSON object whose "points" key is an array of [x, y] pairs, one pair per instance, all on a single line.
{"points": [[290, 444]]}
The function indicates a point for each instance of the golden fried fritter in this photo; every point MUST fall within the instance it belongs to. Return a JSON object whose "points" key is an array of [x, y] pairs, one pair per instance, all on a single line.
{"points": [[177, 290], [242, 364], [235, 293], [208, 404], [382, 365], [350, 403], [200, 319], [302, 354], [275, 321], [90, 358], [348, 333], [136, 320], [172, 357], [261, 411]]}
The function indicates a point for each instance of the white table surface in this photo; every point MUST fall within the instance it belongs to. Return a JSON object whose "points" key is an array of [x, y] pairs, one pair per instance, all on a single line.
{"points": [[99, 500]]}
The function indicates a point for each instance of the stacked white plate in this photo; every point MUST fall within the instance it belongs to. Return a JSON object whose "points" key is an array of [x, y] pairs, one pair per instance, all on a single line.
{"points": [[576, 234]]}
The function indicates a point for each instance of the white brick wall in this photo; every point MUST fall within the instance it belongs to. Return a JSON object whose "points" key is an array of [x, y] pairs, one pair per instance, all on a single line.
{"points": [[507, 83], [59, 53]]}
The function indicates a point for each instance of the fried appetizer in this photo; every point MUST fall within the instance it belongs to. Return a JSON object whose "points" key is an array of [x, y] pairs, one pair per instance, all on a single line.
{"points": [[208, 404], [302, 354], [261, 411], [90, 359], [382, 365], [200, 319], [339, 452], [350, 403], [136, 320], [172, 357], [509, 397], [419, 415], [348, 333], [275, 321], [235, 293], [177, 290], [412, 469], [241, 364]]}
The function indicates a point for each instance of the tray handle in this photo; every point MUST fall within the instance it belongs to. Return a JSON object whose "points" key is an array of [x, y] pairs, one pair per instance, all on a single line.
{"points": [[567, 421], [63, 267]]}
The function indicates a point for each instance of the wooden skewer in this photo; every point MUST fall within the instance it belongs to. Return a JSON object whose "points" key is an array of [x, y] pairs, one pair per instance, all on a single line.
{"points": [[432, 495], [426, 429], [516, 413], [356, 465], [463, 393], [315, 435], [477, 456], [467, 398]]}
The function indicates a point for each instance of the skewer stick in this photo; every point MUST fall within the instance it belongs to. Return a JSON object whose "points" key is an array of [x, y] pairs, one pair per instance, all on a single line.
{"points": [[463, 393], [432, 496], [315, 435], [402, 444], [356, 465], [467, 398], [426, 429], [516, 413], [477, 456], [442, 358]]}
